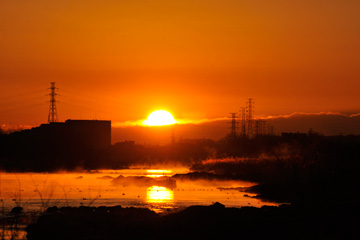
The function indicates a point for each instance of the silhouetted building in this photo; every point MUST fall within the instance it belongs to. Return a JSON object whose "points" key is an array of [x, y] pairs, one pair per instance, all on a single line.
{"points": [[289, 136], [58, 145], [124, 144], [200, 141], [94, 134]]}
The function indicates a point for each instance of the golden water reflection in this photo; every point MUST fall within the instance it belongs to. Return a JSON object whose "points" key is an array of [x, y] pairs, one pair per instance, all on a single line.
{"points": [[158, 173], [35, 191], [156, 194]]}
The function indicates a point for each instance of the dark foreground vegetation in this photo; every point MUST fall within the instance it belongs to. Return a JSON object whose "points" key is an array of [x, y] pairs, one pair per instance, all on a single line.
{"points": [[308, 171], [27, 151], [196, 222], [317, 176]]}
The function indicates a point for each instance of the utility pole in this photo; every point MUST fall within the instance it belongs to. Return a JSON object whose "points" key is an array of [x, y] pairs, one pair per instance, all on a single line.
{"points": [[243, 121], [233, 126], [271, 130], [250, 118], [263, 128], [260, 127], [257, 128], [52, 111]]}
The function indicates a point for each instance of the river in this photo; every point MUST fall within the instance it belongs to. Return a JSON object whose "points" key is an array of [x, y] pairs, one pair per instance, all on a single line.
{"points": [[37, 191]]}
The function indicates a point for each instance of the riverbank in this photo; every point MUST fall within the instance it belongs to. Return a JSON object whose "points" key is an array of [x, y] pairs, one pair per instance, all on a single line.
{"points": [[196, 222]]}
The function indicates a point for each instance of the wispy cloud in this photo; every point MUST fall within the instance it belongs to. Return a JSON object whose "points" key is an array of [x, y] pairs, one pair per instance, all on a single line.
{"points": [[141, 122], [297, 114], [128, 123], [355, 115], [200, 121]]}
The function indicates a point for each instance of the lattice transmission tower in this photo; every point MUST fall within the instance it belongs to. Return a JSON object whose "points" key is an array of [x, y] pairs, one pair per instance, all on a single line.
{"points": [[52, 111], [243, 121], [250, 117], [233, 127]]}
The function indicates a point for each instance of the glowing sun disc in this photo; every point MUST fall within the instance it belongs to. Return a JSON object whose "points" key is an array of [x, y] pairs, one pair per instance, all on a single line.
{"points": [[159, 118]]}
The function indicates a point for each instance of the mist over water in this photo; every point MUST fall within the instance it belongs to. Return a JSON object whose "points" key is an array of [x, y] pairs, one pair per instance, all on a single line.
{"points": [[137, 187]]}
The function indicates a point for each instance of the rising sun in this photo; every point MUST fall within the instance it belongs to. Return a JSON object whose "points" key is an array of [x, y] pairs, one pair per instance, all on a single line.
{"points": [[159, 118]]}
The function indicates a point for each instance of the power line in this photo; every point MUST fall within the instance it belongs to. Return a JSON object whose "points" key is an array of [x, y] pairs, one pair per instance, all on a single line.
{"points": [[21, 95], [23, 107]]}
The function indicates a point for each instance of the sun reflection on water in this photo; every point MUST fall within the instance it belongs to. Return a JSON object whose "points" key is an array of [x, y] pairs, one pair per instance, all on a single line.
{"points": [[98, 189], [156, 194]]}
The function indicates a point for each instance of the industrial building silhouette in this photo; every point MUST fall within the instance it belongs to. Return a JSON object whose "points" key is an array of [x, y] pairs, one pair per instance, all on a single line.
{"points": [[94, 134], [82, 133], [57, 145]]}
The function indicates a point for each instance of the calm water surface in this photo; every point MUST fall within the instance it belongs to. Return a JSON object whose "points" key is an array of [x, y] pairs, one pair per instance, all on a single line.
{"points": [[34, 191]]}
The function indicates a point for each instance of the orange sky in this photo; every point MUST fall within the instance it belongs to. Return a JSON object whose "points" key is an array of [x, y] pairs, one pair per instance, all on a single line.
{"points": [[120, 60]]}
